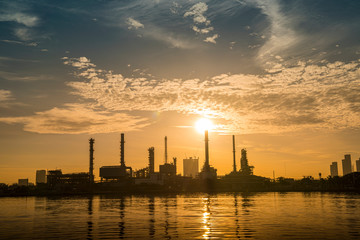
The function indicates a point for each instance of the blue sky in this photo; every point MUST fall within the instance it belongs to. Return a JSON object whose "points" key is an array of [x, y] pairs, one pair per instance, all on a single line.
{"points": [[256, 68]]}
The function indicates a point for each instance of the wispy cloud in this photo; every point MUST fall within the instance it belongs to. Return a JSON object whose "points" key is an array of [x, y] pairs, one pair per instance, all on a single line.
{"points": [[5, 95], [77, 119], [24, 77], [21, 18], [31, 44], [23, 34], [19, 13]]}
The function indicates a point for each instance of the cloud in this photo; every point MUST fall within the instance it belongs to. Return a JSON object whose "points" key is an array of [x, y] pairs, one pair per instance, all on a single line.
{"points": [[132, 23], [21, 18], [197, 12], [16, 76], [212, 39], [202, 30], [80, 63], [13, 11], [286, 98], [77, 119], [23, 34], [5, 95], [202, 24], [31, 44], [282, 31]]}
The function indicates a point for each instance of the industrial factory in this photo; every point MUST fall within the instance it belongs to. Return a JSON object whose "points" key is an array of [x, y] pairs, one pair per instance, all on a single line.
{"points": [[124, 177]]}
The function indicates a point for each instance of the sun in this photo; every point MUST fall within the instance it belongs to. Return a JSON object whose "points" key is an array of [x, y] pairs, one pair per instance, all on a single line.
{"points": [[203, 124]]}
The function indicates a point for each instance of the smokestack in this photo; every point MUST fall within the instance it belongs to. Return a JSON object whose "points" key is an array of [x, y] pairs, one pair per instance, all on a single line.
{"points": [[234, 158], [207, 164], [166, 149], [151, 159], [91, 165], [122, 151], [174, 159]]}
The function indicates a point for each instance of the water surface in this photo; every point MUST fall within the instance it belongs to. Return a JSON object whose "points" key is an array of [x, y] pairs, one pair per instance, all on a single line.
{"points": [[196, 216]]}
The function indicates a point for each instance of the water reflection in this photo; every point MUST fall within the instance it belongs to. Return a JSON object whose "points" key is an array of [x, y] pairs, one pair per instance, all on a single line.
{"points": [[90, 222], [247, 204], [122, 218], [167, 218], [236, 214], [152, 216], [206, 217], [220, 216]]}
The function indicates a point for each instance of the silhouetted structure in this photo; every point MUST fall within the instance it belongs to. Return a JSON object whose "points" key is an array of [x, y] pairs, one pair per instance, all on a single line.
{"points": [[166, 155], [234, 157], [151, 160], [207, 171], [245, 168], [358, 165], [40, 176], [56, 177], [191, 167], [150, 169], [23, 182], [117, 172], [167, 169], [334, 169], [346, 164], [91, 165], [124, 170]]}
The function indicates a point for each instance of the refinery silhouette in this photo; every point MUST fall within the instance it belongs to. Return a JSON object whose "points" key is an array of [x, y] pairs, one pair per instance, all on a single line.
{"points": [[123, 179]]}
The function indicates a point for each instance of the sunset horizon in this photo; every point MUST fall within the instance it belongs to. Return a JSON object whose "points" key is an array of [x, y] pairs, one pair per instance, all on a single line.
{"points": [[283, 77]]}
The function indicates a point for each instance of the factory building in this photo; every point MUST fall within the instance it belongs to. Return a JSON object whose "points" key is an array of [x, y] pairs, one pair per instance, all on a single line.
{"points": [[40, 176], [56, 177], [334, 169], [191, 167], [346, 164], [117, 172]]}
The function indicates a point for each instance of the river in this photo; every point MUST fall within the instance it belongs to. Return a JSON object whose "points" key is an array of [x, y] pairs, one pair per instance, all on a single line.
{"points": [[195, 216]]}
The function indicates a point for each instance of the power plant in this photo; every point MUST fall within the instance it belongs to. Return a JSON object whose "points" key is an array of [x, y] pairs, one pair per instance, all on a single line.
{"points": [[123, 176], [122, 179]]}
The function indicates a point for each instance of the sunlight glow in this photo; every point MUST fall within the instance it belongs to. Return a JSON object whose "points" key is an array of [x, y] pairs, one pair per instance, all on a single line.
{"points": [[203, 124]]}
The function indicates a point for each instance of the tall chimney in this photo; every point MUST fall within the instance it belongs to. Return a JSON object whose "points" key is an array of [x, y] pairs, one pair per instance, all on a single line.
{"points": [[151, 160], [91, 165], [207, 164], [122, 151], [234, 158], [166, 156]]}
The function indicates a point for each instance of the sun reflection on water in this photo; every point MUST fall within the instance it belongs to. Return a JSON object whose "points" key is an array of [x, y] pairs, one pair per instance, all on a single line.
{"points": [[206, 218]]}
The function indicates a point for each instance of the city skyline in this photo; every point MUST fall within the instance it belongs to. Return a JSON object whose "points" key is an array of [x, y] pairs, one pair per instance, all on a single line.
{"points": [[282, 76]]}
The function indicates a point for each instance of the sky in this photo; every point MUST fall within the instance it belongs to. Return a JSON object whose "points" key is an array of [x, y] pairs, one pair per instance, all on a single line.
{"points": [[282, 76]]}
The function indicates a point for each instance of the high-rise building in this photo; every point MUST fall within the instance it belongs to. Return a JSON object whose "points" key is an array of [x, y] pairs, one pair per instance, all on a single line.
{"points": [[334, 169], [191, 167], [346, 164], [40, 176], [358, 165]]}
